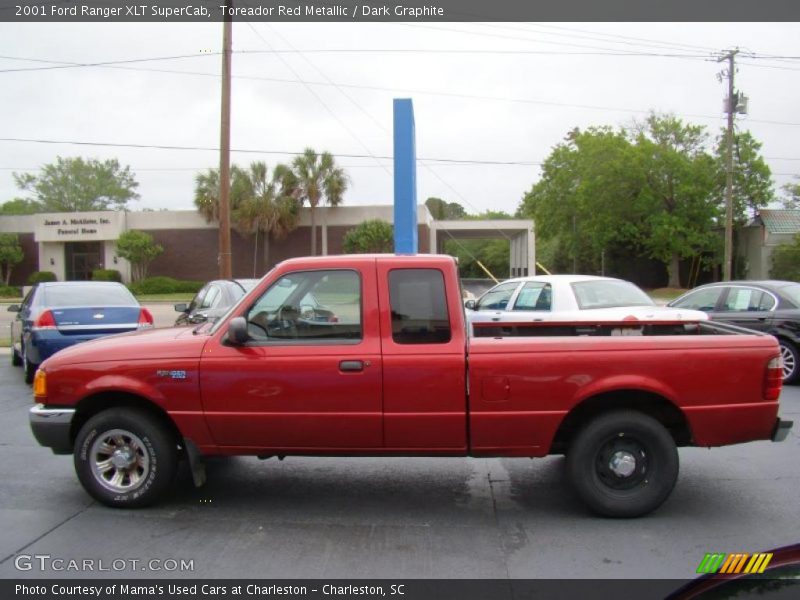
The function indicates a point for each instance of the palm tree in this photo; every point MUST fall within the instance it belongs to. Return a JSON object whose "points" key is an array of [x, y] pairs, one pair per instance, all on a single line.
{"points": [[206, 192], [266, 205], [318, 178]]}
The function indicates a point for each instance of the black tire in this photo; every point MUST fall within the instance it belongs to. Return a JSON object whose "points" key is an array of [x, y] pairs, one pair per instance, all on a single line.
{"points": [[791, 361], [623, 464], [16, 359], [29, 369], [131, 435]]}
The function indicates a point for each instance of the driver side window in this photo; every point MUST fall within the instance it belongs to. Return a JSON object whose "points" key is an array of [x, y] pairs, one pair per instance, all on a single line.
{"points": [[307, 306]]}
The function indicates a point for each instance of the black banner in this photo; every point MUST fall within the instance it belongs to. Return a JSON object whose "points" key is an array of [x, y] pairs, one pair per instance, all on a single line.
{"points": [[400, 589], [406, 10]]}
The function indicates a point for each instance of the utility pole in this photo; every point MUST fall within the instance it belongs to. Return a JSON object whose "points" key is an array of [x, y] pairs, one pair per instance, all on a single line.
{"points": [[730, 106], [225, 268]]}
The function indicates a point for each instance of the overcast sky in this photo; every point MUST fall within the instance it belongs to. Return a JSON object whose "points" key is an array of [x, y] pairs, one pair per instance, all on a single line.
{"points": [[482, 92]]}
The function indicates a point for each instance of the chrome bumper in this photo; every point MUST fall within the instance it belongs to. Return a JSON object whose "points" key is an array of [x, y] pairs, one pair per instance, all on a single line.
{"points": [[51, 427]]}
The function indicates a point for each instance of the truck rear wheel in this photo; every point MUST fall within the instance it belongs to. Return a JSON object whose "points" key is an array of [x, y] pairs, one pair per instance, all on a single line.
{"points": [[623, 464], [125, 458]]}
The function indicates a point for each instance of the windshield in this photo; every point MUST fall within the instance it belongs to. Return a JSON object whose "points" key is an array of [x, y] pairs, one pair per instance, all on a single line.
{"points": [[88, 295], [608, 293]]}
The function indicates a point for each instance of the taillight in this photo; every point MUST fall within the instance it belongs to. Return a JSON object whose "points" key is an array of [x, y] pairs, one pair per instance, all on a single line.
{"points": [[773, 379], [145, 319], [45, 321]]}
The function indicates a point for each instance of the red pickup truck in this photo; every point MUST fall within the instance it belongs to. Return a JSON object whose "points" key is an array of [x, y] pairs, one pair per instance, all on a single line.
{"points": [[369, 355]]}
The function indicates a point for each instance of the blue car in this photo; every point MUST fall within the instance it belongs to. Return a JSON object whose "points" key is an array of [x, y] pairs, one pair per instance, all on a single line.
{"points": [[60, 314]]}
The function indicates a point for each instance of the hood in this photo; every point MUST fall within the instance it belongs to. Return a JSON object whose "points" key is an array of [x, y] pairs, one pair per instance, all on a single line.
{"points": [[150, 344]]}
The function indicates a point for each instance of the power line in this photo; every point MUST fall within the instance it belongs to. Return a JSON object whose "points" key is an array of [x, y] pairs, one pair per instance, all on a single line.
{"points": [[71, 65], [256, 151], [436, 93]]}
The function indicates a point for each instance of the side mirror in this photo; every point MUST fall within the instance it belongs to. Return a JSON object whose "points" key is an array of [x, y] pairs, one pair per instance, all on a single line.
{"points": [[469, 304], [182, 307], [14, 308], [237, 331]]}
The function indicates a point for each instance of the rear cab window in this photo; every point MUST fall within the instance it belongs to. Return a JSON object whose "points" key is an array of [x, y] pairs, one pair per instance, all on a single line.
{"points": [[418, 307]]}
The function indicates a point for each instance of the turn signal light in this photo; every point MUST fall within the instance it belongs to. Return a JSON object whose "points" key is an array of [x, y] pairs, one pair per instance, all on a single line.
{"points": [[773, 379], [145, 319], [45, 321], [40, 384]]}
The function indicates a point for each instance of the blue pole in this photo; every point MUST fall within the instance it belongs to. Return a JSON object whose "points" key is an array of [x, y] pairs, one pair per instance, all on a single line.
{"points": [[405, 178]]}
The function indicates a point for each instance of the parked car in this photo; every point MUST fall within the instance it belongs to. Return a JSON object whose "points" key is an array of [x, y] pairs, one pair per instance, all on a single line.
{"points": [[573, 298], [769, 306], [213, 300], [55, 315]]}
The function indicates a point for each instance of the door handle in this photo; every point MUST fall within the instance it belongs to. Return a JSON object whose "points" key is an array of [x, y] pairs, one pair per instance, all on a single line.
{"points": [[351, 366]]}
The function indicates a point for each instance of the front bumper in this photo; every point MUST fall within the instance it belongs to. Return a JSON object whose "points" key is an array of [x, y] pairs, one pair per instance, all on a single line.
{"points": [[51, 427], [781, 430]]}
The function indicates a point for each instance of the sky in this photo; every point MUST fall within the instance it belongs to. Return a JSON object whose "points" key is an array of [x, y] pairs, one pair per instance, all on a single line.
{"points": [[497, 97]]}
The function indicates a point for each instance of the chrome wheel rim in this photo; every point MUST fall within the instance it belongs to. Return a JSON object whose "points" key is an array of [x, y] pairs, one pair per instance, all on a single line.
{"points": [[120, 461], [789, 363]]}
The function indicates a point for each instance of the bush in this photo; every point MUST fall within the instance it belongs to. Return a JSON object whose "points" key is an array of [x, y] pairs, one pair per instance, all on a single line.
{"points": [[106, 275], [9, 291], [786, 261], [372, 236], [41, 277], [165, 285]]}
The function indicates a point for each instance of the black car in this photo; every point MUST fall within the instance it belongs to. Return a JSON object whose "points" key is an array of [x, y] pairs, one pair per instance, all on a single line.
{"points": [[213, 300], [769, 306]]}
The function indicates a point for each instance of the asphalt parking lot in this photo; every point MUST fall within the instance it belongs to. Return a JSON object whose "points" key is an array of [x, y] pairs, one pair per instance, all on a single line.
{"points": [[391, 518]]}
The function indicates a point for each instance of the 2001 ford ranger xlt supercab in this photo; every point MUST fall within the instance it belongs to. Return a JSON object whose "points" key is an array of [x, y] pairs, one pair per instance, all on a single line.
{"points": [[369, 356]]}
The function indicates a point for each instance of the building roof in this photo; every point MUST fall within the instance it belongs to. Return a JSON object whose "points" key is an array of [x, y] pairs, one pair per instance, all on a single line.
{"points": [[781, 221]]}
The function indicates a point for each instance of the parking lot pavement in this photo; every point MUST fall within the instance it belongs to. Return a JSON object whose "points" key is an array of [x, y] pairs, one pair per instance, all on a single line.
{"points": [[392, 518]]}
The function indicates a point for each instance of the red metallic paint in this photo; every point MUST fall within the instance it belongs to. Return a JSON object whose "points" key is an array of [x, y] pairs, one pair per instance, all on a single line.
{"points": [[412, 399]]}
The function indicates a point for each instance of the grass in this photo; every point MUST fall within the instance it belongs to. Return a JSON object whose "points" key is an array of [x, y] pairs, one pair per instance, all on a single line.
{"points": [[5, 342], [165, 297], [666, 294]]}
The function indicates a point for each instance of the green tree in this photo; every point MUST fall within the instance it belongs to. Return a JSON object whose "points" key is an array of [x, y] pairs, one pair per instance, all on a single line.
{"points": [[10, 254], [587, 199], [445, 211], [786, 261], [493, 254], [752, 178], [318, 179], [265, 205], [372, 236], [206, 191], [791, 198], [677, 201], [79, 185], [139, 249], [20, 206]]}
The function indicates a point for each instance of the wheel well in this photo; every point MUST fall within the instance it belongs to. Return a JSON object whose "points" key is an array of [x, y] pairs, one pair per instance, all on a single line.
{"points": [[92, 405], [658, 407]]}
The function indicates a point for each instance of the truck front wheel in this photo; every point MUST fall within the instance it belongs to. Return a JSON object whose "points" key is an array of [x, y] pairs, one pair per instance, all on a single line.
{"points": [[125, 458], [623, 464]]}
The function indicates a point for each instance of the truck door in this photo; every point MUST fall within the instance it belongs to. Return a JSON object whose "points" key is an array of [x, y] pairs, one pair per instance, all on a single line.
{"points": [[424, 364], [310, 375]]}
